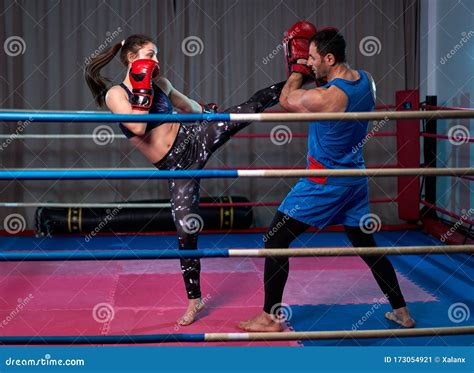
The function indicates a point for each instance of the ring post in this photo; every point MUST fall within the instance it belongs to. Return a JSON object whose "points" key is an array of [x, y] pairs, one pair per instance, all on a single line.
{"points": [[408, 155], [429, 152]]}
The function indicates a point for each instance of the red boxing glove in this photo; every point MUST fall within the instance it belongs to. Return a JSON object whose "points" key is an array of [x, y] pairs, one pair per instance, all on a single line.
{"points": [[141, 74], [210, 108], [296, 45]]}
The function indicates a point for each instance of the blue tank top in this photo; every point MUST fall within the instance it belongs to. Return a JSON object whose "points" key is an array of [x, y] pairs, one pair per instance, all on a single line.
{"points": [[334, 144], [161, 104]]}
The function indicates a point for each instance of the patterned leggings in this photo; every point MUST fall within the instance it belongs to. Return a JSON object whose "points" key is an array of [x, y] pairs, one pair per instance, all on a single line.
{"points": [[192, 148]]}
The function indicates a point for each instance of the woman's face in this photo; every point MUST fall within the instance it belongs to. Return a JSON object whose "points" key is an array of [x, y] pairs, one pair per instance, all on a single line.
{"points": [[148, 51]]}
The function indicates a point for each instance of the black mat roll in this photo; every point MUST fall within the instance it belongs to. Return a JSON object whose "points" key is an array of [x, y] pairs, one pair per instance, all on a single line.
{"points": [[53, 220]]}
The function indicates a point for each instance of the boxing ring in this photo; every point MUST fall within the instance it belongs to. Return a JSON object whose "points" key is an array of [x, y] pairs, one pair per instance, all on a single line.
{"points": [[132, 286]]}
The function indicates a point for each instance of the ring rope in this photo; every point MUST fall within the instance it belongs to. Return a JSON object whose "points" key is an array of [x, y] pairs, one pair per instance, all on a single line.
{"points": [[231, 117], [127, 173], [162, 205], [463, 218], [123, 137], [434, 107], [377, 107], [445, 137], [228, 253], [88, 205], [234, 337]]}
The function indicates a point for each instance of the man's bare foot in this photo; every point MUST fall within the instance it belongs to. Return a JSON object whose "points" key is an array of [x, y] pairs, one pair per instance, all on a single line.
{"points": [[261, 323], [194, 307], [402, 317]]}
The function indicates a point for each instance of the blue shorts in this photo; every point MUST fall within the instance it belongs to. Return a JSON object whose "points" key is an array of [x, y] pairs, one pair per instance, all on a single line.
{"points": [[319, 205]]}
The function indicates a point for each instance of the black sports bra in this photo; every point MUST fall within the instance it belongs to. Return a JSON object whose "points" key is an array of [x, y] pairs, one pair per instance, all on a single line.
{"points": [[161, 104]]}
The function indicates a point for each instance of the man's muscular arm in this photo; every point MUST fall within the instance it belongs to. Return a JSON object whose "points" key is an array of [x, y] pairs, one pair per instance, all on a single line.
{"points": [[295, 99]]}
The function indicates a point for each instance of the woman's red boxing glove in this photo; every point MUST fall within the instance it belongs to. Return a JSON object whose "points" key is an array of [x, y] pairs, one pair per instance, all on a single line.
{"points": [[141, 74]]}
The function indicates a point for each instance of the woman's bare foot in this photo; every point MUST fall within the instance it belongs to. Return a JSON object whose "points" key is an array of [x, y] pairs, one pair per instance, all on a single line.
{"points": [[261, 323], [194, 307], [402, 317]]}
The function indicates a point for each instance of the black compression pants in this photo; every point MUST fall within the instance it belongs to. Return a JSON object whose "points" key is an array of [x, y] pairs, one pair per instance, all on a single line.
{"points": [[284, 230]]}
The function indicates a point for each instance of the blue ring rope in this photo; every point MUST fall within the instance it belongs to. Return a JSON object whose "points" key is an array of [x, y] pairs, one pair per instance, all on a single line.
{"points": [[101, 339], [114, 174], [112, 255], [85, 117]]}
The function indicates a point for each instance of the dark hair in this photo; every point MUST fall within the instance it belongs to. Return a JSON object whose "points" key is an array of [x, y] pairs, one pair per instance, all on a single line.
{"points": [[98, 83], [330, 40]]}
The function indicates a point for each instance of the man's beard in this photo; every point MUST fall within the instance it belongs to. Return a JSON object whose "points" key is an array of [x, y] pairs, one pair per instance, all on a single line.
{"points": [[319, 75]]}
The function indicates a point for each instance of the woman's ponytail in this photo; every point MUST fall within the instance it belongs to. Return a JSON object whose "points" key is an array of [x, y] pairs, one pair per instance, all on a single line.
{"points": [[96, 82]]}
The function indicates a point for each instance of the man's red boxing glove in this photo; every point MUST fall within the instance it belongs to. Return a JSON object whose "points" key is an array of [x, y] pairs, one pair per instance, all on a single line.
{"points": [[141, 74], [296, 45]]}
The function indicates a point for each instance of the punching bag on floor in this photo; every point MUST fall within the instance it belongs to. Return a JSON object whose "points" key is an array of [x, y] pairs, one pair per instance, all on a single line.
{"points": [[51, 220]]}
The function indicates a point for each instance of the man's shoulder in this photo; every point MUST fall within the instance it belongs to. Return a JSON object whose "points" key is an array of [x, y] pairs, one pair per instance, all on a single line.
{"points": [[372, 85], [369, 75]]}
